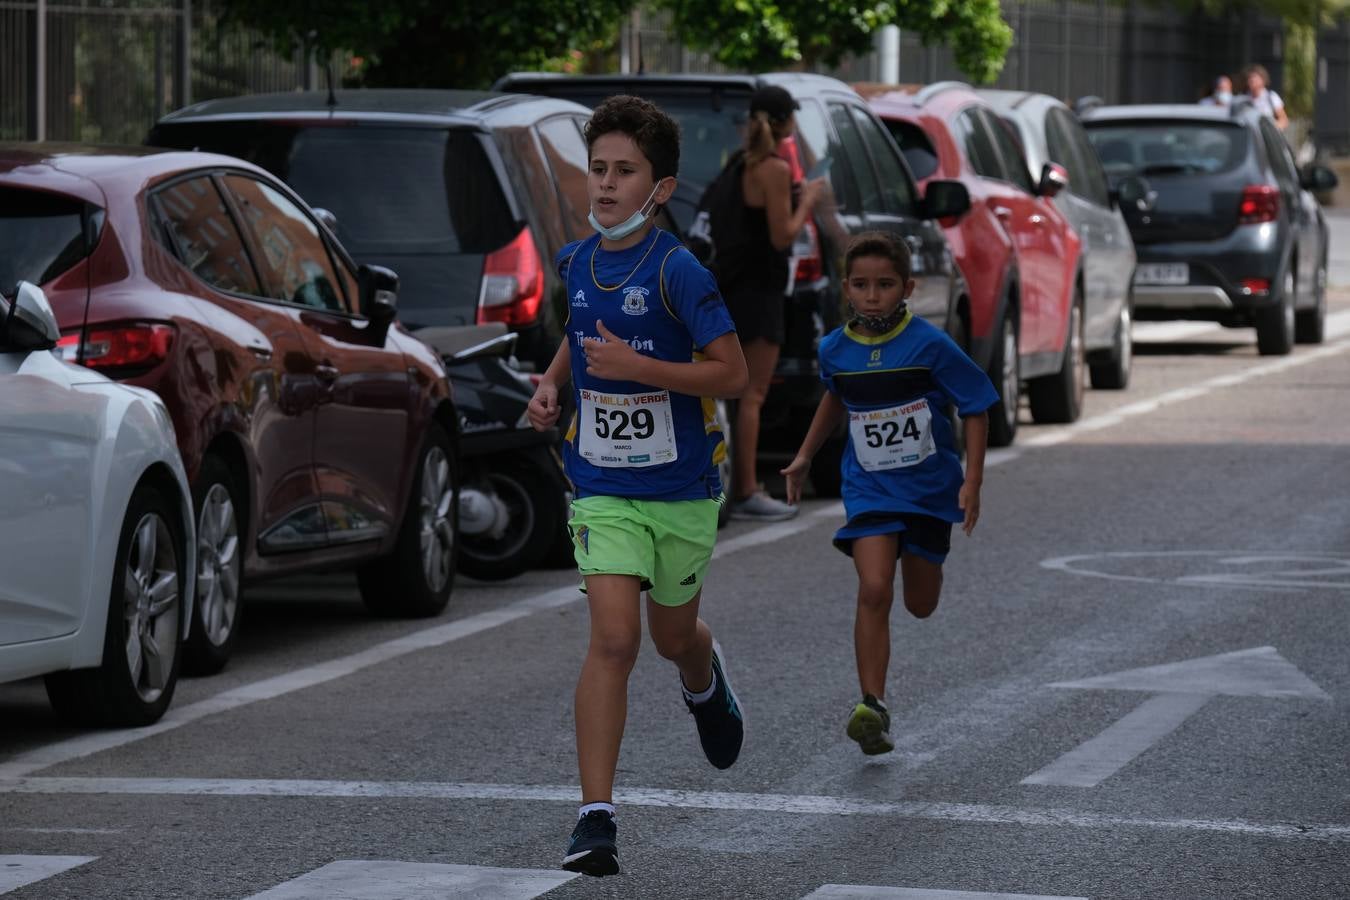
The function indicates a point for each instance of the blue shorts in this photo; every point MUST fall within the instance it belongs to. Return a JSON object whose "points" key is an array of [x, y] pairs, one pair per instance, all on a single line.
{"points": [[927, 537]]}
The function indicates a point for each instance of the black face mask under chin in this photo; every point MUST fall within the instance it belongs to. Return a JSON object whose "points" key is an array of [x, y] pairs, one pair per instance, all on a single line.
{"points": [[879, 324]]}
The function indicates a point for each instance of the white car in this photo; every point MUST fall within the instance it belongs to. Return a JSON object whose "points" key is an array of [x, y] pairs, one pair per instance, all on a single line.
{"points": [[97, 543]]}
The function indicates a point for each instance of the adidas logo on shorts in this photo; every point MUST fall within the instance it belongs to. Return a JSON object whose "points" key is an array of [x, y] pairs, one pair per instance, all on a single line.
{"points": [[693, 576]]}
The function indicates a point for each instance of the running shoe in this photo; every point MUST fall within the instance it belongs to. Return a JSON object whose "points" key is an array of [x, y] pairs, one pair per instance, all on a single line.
{"points": [[760, 507], [870, 725], [592, 850], [721, 725]]}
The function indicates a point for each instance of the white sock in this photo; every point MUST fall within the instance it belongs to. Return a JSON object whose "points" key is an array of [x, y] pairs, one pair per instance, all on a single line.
{"points": [[592, 807], [702, 696]]}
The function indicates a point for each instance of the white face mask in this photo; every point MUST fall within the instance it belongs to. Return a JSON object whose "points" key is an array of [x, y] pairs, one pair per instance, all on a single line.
{"points": [[630, 224]]}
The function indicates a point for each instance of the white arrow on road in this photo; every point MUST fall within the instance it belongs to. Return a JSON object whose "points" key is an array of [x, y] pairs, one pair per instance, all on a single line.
{"points": [[1179, 689]]}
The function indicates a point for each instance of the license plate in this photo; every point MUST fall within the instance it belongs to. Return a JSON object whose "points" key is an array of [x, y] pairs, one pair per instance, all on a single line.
{"points": [[1162, 273]]}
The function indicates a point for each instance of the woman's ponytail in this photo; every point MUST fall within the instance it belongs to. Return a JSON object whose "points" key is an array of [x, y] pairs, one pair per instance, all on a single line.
{"points": [[759, 138]]}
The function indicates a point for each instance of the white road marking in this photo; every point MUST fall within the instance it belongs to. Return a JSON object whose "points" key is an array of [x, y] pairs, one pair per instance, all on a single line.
{"points": [[961, 813], [1180, 690], [1287, 579], [17, 871], [385, 879], [868, 892]]}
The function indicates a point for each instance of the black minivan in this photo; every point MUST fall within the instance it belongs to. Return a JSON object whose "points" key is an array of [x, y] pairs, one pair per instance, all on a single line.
{"points": [[467, 195], [872, 188]]}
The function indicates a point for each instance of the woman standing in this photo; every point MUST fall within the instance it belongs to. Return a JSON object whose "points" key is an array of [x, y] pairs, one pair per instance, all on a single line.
{"points": [[752, 273]]}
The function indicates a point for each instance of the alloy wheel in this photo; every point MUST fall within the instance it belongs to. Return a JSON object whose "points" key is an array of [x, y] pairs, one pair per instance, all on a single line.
{"points": [[150, 595], [219, 565], [437, 529]]}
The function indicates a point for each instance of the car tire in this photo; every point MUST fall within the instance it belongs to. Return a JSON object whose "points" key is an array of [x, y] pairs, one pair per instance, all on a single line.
{"points": [[827, 478], [1005, 371], [1310, 325], [416, 579], [537, 518], [724, 467], [220, 568], [1275, 324], [1058, 398], [135, 682], [1112, 373]]}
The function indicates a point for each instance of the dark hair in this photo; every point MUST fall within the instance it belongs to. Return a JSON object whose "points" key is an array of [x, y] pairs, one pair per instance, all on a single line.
{"points": [[879, 243], [655, 133], [1256, 69]]}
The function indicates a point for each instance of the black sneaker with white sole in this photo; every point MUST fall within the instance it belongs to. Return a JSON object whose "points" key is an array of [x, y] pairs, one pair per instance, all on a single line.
{"points": [[592, 850], [721, 724]]}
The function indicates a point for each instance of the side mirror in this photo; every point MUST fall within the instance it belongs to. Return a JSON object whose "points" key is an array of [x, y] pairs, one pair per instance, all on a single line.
{"points": [[1134, 193], [945, 200], [27, 322], [327, 218], [1054, 178], [379, 293], [1318, 179]]}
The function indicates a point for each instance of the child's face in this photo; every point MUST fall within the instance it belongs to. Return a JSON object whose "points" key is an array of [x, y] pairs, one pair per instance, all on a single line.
{"points": [[874, 287], [620, 180]]}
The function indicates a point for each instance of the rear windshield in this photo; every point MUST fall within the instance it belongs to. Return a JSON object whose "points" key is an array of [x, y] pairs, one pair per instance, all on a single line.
{"points": [[41, 235], [1168, 148], [393, 189], [914, 144]]}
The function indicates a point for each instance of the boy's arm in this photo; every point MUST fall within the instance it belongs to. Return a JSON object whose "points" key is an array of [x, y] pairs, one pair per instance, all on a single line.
{"points": [[721, 373], [828, 415], [977, 435], [544, 409]]}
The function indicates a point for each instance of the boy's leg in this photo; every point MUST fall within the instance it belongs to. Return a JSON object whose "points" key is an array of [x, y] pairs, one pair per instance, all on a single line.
{"points": [[923, 584], [683, 638], [874, 558], [602, 689]]}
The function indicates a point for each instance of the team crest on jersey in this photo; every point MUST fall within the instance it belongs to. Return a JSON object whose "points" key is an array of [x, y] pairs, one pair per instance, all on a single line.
{"points": [[579, 300], [875, 359], [635, 301]]}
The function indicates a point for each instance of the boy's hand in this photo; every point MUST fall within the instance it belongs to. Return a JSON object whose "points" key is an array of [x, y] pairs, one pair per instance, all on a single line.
{"points": [[969, 501], [610, 357], [795, 474], [543, 410]]}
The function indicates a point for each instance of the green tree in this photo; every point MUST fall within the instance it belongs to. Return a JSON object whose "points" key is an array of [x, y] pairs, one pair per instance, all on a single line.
{"points": [[432, 43], [773, 34]]}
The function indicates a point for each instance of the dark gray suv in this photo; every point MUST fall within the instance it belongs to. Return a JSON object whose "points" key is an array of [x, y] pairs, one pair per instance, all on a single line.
{"points": [[1223, 222]]}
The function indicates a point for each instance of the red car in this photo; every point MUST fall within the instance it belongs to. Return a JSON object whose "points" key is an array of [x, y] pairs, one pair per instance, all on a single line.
{"points": [[1018, 253], [315, 432]]}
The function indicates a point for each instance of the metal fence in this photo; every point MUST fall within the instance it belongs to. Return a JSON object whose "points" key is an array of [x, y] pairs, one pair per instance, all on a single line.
{"points": [[105, 70]]}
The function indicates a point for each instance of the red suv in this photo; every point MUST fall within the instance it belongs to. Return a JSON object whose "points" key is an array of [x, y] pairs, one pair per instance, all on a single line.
{"points": [[314, 431], [1018, 253]]}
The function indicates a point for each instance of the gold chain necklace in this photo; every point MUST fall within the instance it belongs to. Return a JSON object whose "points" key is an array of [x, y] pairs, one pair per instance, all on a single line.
{"points": [[604, 287]]}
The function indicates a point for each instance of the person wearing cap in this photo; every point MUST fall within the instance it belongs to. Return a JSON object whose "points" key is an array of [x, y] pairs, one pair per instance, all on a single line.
{"points": [[752, 267]]}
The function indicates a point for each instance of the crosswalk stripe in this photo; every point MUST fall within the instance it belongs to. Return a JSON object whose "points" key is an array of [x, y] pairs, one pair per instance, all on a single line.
{"points": [[865, 892], [17, 871], [387, 879]]}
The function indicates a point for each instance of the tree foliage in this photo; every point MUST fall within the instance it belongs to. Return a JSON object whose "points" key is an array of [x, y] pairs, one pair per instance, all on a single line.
{"points": [[773, 34], [432, 43]]}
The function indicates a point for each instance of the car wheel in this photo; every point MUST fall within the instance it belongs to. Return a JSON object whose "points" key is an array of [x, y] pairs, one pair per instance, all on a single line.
{"points": [[724, 466], [534, 506], [1275, 324], [1058, 398], [220, 569], [1005, 371], [135, 682], [1113, 372], [417, 577], [1310, 325]]}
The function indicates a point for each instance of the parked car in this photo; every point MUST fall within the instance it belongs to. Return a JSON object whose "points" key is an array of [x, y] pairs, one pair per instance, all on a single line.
{"points": [[1024, 317], [1051, 133], [314, 431], [870, 189], [1227, 228], [96, 536], [468, 195]]}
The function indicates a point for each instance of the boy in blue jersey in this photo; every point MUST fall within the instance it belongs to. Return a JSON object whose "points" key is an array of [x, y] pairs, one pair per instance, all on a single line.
{"points": [[648, 346], [891, 375]]}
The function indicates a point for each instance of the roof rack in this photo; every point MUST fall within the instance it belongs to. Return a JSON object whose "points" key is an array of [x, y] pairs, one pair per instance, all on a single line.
{"points": [[930, 91]]}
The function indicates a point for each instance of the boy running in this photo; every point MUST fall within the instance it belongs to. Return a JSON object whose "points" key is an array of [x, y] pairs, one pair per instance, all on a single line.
{"points": [[648, 346], [892, 375]]}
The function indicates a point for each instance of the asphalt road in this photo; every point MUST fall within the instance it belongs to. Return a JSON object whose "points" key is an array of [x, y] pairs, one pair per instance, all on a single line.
{"points": [[1135, 686]]}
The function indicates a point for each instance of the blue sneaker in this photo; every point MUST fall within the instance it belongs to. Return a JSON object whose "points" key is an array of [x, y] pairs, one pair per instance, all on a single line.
{"points": [[592, 850], [721, 724]]}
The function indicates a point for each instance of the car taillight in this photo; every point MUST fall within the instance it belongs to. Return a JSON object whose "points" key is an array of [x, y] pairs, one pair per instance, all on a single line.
{"points": [[513, 283], [1260, 203], [135, 346], [806, 251], [1255, 285]]}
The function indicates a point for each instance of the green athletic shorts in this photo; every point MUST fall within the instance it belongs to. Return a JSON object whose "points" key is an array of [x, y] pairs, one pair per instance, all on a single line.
{"points": [[666, 543]]}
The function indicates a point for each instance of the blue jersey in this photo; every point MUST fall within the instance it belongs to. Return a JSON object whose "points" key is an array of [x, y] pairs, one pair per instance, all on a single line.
{"points": [[901, 455], [630, 439]]}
